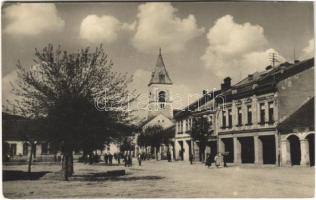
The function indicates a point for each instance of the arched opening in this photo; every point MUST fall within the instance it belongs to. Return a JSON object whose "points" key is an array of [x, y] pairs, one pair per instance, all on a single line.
{"points": [[311, 143], [162, 98], [295, 149]]}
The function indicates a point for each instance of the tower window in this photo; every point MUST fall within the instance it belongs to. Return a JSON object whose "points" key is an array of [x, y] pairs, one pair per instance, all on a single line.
{"points": [[162, 78], [162, 96]]}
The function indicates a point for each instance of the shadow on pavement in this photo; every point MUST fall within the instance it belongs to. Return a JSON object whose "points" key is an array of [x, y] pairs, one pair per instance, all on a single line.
{"points": [[112, 177], [12, 175]]}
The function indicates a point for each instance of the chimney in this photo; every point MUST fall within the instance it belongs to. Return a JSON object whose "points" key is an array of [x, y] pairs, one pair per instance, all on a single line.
{"points": [[250, 77], [227, 83], [268, 67]]}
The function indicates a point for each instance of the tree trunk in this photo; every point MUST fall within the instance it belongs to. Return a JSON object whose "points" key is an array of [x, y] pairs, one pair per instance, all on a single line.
{"points": [[66, 166], [91, 158], [156, 152], [71, 165], [30, 159]]}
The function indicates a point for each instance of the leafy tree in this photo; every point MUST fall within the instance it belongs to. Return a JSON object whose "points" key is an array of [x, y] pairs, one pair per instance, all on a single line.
{"points": [[199, 134], [82, 99], [127, 144], [154, 136]]}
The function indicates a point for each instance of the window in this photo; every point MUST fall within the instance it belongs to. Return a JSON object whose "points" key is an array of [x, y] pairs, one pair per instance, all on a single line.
{"points": [[271, 117], [25, 148], [210, 121], [181, 126], [162, 78], [178, 127], [230, 118], [12, 149], [262, 113], [249, 115], [162, 98], [223, 119], [239, 113], [44, 148], [191, 123], [186, 125]]}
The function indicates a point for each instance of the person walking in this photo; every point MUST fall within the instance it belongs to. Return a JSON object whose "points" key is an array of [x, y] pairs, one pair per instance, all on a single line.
{"points": [[125, 160], [110, 158], [208, 162], [119, 158], [169, 156], [217, 160], [191, 158], [129, 160], [106, 158], [225, 159], [139, 157]]}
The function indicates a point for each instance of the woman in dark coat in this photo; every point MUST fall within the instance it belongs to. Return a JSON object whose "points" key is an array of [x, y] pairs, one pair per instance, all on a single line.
{"points": [[208, 162]]}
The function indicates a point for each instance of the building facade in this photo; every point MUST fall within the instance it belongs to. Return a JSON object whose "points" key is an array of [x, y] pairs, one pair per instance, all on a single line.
{"points": [[249, 118]]}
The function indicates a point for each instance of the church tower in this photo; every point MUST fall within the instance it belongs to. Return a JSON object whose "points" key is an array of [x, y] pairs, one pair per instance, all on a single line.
{"points": [[159, 89]]}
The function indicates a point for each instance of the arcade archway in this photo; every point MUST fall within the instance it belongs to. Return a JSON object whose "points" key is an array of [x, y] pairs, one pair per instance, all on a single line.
{"points": [[295, 149]]}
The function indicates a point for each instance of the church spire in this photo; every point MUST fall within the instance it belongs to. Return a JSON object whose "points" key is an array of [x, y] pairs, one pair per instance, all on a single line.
{"points": [[160, 74]]}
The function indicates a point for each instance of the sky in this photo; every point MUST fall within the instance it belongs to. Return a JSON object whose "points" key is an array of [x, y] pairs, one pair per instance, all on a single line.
{"points": [[202, 42]]}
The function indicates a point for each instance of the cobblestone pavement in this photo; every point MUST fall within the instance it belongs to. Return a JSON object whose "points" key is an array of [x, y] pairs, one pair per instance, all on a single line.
{"points": [[163, 179]]}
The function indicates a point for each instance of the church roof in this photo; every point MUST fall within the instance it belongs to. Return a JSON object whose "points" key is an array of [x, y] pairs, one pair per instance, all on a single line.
{"points": [[160, 74]]}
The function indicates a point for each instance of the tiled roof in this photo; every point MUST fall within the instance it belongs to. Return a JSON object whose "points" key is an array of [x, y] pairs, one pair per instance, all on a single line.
{"points": [[19, 128], [160, 74], [265, 81], [303, 117], [203, 100]]}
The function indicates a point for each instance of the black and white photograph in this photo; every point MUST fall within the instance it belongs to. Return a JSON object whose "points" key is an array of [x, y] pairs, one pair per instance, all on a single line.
{"points": [[157, 99]]}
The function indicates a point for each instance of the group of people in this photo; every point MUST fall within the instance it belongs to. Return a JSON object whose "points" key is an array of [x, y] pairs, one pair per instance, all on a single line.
{"points": [[108, 157], [128, 160], [219, 159]]}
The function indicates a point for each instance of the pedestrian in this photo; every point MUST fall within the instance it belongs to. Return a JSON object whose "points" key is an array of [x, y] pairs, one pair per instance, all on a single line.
{"points": [[208, 162], [106, 158], [129, 160], [224, 159], [110, 158], [217, 160], [119, 158], [139, 157], [169, 156], [125, 160], [191, 158]]}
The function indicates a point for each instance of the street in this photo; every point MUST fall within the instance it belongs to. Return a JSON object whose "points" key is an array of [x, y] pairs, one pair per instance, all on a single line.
{"points": [[163, 179]]}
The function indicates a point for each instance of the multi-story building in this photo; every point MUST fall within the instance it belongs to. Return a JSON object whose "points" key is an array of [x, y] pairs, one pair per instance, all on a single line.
{"points": [[266, 118], [248, 119], [185, 119]]}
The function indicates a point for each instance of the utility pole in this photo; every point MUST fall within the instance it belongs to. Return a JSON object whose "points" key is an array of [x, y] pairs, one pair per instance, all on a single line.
{"points": [[274, 59], [294, 56]]}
